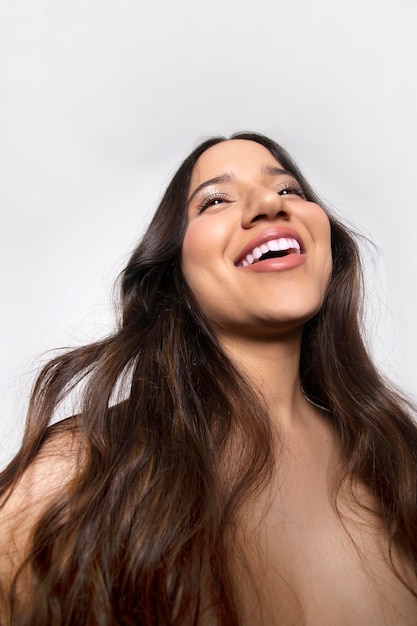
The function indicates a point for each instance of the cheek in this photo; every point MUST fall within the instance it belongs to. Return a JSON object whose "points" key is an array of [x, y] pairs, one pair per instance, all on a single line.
{"points": [[192, 251], [202, 248], [327, 247], [320, 229], [203, 262], [192, 248]]}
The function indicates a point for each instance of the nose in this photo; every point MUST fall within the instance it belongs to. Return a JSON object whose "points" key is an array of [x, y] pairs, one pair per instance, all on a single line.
{"points": [[264, 204]]}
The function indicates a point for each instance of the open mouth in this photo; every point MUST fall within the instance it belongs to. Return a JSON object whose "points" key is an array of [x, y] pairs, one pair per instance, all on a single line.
{"points": [[273, 249]]}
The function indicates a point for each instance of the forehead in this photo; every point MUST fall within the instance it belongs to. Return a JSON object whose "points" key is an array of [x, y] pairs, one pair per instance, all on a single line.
{"points": [[241, 157]]}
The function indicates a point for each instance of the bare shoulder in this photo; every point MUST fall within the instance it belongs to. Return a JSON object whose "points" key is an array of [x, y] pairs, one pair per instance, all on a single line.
{"points": [[54, 466], [50, 473]]}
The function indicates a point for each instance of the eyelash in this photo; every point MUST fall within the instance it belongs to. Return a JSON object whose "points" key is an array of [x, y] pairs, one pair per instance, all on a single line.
{"points": [[293, 188], [209, 200], [290, 186]]}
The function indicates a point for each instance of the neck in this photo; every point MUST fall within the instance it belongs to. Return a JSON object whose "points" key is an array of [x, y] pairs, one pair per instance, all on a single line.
{"points": [[272, 364]]}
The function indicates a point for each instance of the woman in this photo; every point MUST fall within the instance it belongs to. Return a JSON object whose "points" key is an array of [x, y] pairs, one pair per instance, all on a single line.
{"points": [[237, 458]]}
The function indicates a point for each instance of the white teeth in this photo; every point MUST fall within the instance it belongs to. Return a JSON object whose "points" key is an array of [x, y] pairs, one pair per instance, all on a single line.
{"points": [[274, 245]]}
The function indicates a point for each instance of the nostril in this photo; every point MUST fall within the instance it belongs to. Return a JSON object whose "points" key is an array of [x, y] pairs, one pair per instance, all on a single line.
{"points": [[263, 216], [282, 214], [259, 217]]}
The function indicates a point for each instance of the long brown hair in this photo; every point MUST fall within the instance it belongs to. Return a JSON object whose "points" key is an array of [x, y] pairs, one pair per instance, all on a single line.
{"points": [[143, 535]]}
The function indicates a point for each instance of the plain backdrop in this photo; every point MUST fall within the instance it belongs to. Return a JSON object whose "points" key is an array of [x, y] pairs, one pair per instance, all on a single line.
{"points": [[101, 99]]}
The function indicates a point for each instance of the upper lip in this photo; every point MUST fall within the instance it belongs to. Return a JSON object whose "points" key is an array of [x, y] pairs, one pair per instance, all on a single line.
{"points": [[266, 235]]}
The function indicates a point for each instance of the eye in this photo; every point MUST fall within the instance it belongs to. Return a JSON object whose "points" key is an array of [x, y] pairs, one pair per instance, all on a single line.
{"points": [[291, 188], [214, 199]]}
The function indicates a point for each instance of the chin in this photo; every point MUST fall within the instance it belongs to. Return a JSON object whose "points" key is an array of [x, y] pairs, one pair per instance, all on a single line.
{"points": [[265, 327], [294, 317]]}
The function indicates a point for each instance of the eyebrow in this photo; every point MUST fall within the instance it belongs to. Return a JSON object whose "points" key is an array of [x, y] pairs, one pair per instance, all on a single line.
{"points": [[273, 170], [270, 170]]}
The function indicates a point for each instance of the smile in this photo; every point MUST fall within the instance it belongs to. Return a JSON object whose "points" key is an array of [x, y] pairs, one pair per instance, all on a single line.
{"points": [[272, 249]]}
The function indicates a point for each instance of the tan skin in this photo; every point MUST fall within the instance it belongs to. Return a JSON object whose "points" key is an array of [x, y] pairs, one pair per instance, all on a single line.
{"points": [[310, 565]]}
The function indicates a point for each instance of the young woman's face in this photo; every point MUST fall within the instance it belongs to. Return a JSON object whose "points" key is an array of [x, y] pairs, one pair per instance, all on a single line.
{"points": [[256, 254]]}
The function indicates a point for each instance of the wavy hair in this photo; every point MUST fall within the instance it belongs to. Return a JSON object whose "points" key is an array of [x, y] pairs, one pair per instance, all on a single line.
{"points": [[144, 533]]}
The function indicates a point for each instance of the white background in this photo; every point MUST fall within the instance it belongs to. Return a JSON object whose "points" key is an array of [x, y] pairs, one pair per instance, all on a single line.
{"points": [[101, 99]]}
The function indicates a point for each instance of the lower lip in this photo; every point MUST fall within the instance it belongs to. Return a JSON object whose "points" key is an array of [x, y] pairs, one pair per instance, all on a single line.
{"points": [[278, 264]]}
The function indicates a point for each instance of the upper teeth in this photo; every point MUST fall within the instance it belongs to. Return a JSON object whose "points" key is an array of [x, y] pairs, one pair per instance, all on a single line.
{"points": [[274, 245]]}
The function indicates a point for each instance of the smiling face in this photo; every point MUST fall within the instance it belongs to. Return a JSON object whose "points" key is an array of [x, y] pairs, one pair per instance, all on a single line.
{"points": [[256, 254]]}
